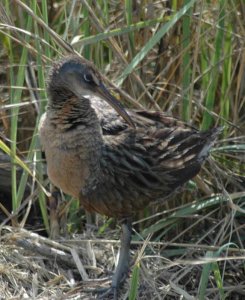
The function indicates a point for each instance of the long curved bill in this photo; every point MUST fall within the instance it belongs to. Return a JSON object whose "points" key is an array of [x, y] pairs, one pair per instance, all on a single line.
{"points": [[113, 102]]}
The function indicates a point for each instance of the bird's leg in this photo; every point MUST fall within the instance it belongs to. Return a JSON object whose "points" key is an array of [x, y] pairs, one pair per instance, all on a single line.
{"points": [[124, 255], [53, 212], [124, 258], [89, 221]]}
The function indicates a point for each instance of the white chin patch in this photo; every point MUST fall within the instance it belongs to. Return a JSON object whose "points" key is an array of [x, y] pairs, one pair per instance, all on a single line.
{"points": [[86, 93]]}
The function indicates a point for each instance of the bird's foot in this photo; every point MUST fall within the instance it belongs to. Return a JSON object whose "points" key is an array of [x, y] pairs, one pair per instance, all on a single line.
{"points": [[112, 291], [108, 293], [122, 269]]}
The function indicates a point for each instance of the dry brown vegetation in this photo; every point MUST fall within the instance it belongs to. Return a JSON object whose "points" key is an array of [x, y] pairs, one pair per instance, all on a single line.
{"points": [[187, 59]]}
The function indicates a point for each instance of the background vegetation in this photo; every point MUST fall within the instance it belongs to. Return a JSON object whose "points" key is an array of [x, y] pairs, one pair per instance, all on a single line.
{"points": [[186, 58]]}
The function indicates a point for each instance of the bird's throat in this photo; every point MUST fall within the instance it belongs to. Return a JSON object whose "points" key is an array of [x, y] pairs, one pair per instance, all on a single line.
{"points": [[72, 113]]}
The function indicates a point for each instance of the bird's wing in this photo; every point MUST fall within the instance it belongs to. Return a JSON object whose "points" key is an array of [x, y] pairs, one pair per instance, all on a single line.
{"points": [[147, 163], [111, 123]]}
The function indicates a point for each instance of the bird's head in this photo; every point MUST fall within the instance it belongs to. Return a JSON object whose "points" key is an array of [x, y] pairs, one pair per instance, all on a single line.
{"points": [[77, 77]]}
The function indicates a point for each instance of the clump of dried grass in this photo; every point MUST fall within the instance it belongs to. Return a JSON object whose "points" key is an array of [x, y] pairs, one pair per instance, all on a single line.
{"points": [[32, 266], [178, 75]]}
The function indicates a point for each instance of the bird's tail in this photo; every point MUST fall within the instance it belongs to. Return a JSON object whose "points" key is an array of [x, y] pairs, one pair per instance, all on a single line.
{"points": [[211, 136]]}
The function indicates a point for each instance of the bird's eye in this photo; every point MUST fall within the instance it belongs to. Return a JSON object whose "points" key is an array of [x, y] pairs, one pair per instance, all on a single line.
{"points": [[88, 78]]}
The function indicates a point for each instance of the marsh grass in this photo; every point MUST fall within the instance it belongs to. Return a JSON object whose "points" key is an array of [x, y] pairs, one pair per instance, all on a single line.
{"points": [[186, 58]]}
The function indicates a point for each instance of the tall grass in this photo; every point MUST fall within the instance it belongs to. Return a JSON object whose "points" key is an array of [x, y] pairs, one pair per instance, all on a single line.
{"points": [[187, 59]]}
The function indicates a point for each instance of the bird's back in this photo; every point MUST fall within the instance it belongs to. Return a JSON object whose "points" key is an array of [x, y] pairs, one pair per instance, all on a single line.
{"points": [[146, 164]]}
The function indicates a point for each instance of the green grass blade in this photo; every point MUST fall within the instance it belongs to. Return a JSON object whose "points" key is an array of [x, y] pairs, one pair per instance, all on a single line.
{"points": [[18, 161], [188, 209], [15, 99], [218, 279], [43, 96], [214, 267], [205, 276], [214, 74], [44, 6], [134, 282], [92, 39], [186, 65], [153, 41], [226, 79], [86, 31], [129, 20]]}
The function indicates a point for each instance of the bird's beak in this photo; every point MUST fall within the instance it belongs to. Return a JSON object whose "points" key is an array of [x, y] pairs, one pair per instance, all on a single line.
{"points": [[112, 101]]}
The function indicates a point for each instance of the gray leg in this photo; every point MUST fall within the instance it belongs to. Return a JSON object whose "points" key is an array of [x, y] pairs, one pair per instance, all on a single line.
{"points": [[123, 262], [124, 255]]}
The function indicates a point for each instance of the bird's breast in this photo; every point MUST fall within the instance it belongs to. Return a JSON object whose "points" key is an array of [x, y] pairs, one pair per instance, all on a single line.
{"points": [[66, 171], [67, 165]]}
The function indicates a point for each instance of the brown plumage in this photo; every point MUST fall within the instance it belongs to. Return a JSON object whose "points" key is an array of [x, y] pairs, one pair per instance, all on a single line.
{"points": [[115, 161]]}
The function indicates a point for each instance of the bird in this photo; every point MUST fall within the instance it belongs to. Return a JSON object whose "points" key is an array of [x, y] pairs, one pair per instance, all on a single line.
{"points": [[116, 161]]}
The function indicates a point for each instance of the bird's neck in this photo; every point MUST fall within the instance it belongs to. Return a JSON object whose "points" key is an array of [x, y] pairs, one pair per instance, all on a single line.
{"points": [[71, 113]]}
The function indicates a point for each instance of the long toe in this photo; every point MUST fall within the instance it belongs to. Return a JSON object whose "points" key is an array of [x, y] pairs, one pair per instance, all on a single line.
{"points": [[108, 293]]}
